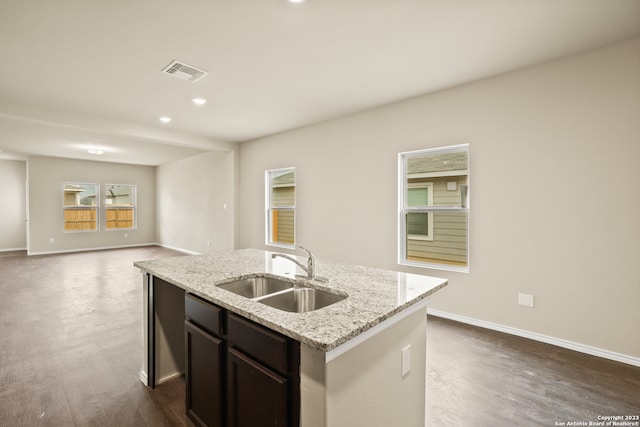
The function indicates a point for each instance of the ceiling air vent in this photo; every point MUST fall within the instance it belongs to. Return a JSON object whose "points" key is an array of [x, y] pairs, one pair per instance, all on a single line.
{"points": [[184, 71]]}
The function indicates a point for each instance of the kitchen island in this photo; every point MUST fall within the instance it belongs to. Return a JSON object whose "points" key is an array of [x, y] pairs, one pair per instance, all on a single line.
{"points": [[351, 353]]}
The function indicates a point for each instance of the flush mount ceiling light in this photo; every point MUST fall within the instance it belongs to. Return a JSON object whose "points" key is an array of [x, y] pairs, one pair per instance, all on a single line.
{"points": [[296, 1], [95, 150], [165, 119], [199, 100]]}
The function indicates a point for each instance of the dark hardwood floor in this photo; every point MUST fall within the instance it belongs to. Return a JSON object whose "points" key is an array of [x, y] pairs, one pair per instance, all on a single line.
{"points": [[71, 342], [71, 350], [478, 377]]}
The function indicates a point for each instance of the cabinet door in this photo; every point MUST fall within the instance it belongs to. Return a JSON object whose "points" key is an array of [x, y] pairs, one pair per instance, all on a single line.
{"points": [[257, 396], [204, 377]]}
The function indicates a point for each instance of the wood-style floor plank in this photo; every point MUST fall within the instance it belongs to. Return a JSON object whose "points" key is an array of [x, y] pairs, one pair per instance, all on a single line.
{"points": [[71, 342], [71, 351], [485, 378]]}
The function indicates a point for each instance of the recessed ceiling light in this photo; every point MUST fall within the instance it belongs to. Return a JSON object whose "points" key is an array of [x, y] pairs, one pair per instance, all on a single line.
{"points": [[165, 119], [296, 1], [96, 151], [199, 101]]}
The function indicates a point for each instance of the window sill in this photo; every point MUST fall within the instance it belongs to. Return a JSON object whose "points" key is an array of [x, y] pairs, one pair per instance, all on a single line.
{"points": [[435, 266], [281, 245]]}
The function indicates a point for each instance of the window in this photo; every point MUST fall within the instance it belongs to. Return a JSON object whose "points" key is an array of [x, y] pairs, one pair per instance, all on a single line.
{"points": [[420, 224], [80, 206], [120, 207], [281, 207], [434, 208]]}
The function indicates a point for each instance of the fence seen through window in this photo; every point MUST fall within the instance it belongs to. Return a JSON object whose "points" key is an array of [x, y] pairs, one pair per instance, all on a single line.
{"points": [[80, 207], [120, 206]]}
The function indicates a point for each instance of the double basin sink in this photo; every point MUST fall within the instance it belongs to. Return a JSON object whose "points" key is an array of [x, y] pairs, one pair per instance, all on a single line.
{"points": [[281, 294]]}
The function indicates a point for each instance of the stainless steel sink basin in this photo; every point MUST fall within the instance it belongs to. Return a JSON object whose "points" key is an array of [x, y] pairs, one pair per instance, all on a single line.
{"points": [[282, 294], [255, 287], [301, 300]]}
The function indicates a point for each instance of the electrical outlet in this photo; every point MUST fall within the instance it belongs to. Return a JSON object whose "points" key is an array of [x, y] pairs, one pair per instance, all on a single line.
{"points": [[525, 300], [52, 240], [126, 235], [406, 360]]}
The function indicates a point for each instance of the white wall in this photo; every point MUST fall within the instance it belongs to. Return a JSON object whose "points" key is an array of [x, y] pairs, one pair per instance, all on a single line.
{"points": [[191, 197], [13, 229], [46, 176], [555, 193]]}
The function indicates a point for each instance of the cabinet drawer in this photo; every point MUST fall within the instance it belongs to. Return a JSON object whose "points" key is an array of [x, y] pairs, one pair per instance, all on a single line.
{"points": [[258, 342], [204, 314]]}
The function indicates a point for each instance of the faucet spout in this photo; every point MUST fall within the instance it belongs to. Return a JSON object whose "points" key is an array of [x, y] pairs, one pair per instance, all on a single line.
{"points": [[290, 258], [310, 269]]}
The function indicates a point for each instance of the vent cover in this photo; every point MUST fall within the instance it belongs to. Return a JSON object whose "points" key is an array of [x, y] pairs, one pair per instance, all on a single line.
{"points": [[184, 71]]}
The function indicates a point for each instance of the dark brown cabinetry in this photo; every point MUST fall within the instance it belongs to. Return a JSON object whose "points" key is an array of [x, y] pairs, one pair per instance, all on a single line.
{"points": [[257, 395], [263, 376], [238, 373], [204, 390], [205, 357]]}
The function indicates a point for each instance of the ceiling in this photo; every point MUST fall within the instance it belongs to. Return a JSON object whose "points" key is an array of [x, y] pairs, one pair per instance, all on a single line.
{"points": [[80, 73]]}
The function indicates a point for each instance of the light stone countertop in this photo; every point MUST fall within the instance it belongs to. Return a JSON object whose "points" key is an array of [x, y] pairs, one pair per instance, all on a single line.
{"points": [[374, 295]]}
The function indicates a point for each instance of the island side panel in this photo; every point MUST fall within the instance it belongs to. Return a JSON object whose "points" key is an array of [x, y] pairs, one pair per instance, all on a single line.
{"points": [[146, 374], [364, 386], [163, 336], [169, 330], [313, 402]]}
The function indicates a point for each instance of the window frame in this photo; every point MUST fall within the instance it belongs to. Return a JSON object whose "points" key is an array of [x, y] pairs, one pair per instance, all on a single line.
{"points": [[66, 207], [404, 209], [134, 207], [269, 208]]}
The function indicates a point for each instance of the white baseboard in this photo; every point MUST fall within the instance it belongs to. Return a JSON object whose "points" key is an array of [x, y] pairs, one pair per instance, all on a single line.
{"points": [[175, 248], [101, 248], [169, 377], [12, 249], [143, 378], [582, 348]]}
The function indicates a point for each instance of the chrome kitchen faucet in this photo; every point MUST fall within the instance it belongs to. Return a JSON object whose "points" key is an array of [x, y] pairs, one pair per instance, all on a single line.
{"points": [[310, 269]]}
